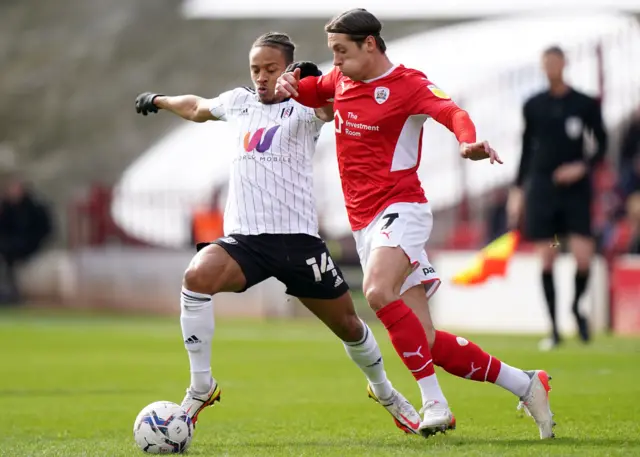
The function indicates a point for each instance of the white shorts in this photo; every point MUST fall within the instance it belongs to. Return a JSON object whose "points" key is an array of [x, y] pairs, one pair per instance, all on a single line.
{"points": [[407, 225]]}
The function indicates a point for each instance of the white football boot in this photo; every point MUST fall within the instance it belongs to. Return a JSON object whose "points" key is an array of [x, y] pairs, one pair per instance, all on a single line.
{"points": [[437, 417], [194, 403], [536, 402], [404, 414]]}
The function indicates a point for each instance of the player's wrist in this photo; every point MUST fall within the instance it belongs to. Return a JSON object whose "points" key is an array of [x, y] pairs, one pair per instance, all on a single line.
{"points": [[465, 142], [158, 100]]}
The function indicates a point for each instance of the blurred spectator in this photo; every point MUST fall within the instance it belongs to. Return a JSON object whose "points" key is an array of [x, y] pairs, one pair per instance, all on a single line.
{"points": [[608, 210], [25, 223], [630, 157], [633, 216], [207, 223]]}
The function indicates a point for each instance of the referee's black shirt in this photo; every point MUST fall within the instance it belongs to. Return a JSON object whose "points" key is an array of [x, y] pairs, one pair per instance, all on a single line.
{"points": [[554, 134]]}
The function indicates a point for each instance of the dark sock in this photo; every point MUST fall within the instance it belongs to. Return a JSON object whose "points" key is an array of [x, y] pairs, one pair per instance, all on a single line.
{"points": [[550, 296], [581, 280]]}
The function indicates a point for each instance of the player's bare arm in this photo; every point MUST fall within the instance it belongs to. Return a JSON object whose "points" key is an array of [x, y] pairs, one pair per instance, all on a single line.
{"points": [[515, 207], [515, 200], [189, 107]]}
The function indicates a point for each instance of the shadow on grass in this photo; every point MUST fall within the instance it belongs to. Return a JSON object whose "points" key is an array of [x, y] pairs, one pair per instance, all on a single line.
{"points": [[416, 443]]}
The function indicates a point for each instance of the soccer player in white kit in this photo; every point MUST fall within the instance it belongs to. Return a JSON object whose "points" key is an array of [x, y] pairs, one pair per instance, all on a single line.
{"points": [[270, 224]]}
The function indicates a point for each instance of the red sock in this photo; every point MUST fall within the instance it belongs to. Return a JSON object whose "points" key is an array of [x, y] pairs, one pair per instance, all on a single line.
{"points": [[408, 338], [463, 358]]}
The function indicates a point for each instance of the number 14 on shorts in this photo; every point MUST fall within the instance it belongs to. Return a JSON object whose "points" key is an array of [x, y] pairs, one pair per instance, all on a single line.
{"points": [[319, 268]]}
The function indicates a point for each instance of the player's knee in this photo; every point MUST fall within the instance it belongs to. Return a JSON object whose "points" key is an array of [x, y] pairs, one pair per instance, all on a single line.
{"points": [[378, 296], [583, 253], [205, 274], [198, 279], [583, 258], [548, 257]]}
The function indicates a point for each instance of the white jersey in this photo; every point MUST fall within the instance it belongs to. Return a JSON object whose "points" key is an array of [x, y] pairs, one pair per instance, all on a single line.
{"points": [[271, 183]]}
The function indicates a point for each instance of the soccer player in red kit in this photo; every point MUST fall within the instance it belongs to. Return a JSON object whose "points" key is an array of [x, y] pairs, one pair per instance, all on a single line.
{"points": [[379, 111]]}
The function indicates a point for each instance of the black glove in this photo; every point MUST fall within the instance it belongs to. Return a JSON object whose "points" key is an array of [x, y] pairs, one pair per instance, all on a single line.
{"points": [[144, 103], [306, 69]]}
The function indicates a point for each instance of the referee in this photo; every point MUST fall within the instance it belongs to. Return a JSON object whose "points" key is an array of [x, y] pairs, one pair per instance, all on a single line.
{"points": [[553, 185]]}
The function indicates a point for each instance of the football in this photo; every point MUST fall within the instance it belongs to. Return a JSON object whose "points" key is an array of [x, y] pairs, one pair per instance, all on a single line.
{"points": [[163, 427]]}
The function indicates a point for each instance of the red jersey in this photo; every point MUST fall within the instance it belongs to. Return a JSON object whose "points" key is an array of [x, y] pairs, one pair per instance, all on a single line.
{"points": [[378, 127]]}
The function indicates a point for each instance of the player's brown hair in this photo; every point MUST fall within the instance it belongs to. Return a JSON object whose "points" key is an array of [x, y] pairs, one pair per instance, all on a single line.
{"points": [[554, 50], [357, 24], [279, 41]]}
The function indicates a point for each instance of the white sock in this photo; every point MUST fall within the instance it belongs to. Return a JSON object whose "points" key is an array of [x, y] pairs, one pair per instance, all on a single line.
{"points": [[196, 320], [430, 390], [366, 354], [514, 380]]}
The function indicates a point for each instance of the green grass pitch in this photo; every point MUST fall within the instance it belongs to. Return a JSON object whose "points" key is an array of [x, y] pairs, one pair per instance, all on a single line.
{"points": [[72, 386]]}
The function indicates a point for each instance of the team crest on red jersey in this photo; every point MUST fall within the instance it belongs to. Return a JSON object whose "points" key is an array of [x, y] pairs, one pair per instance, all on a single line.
{"points": [[381, 94]]}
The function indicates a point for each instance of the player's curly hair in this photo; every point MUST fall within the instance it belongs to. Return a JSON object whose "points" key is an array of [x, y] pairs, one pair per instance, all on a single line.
{"points": [[358, 24], [279, 41]]}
